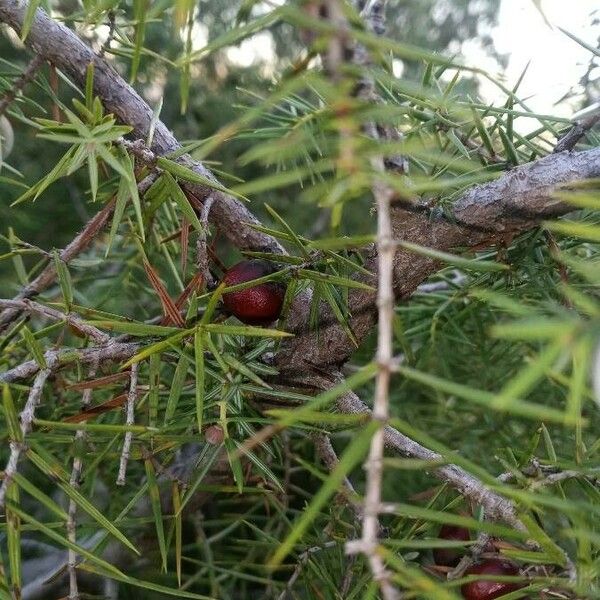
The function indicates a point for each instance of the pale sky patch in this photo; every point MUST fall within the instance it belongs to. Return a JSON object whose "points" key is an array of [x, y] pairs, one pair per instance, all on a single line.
{"points": [[556, 61]]}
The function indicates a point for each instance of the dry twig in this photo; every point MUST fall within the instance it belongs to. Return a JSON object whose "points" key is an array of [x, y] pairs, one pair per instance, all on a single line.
{"points": [[330, 459], [35, 307], [72, 513], [26, 418], [303, 559], [111, 33], [27, 76], [55, 359], [374, 465], [79, 243], [497, 508], [131, 397], [570, 139]]}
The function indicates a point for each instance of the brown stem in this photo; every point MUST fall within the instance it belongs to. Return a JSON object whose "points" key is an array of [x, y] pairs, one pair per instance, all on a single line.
{"points": [[27, 76], [81, 241], [570, 139], [486, 215]]}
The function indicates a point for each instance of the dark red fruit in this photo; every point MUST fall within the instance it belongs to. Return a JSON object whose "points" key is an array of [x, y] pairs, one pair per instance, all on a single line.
{"points": [[488, 590], [450, 557], [257, 305]]}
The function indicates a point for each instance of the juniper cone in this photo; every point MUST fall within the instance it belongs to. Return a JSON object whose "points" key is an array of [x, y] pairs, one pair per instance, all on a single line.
{"points": [[449, 557], [258, 304], [490, 589]]}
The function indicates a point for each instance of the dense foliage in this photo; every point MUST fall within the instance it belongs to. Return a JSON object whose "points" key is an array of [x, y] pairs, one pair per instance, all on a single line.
{"points": [[168, 449]]}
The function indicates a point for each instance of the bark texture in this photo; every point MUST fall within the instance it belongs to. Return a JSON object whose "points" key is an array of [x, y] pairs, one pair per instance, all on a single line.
{"points": [[486, 215]]}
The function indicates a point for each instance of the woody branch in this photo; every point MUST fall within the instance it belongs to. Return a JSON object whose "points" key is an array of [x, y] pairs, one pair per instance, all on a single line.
{"points": [[486, 214]]}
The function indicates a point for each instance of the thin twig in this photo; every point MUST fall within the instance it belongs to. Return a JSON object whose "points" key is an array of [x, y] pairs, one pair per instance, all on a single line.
{"points": [[348, 577], [27, 76], [37, 308], [554, 478], [26, 418], [368, 545], [476, 550], [79, 243], [456, 280], [74, 482], [330, 459], [497, 508], [570, 139], [373, 14], [55, 359], [202, 263], [139, 149], [111, 33], [131, 397], [302, 560], [483, 539]]}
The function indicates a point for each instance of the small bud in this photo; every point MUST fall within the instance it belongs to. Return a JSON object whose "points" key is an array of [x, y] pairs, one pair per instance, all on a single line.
{"points": [[214, 435]]}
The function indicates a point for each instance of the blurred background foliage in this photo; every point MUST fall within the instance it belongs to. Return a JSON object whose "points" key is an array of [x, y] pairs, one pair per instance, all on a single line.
{"points": [[219, 90]]}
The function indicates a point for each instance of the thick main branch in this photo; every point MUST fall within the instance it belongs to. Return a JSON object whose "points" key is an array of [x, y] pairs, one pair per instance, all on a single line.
{"points": [[484, 216]]}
